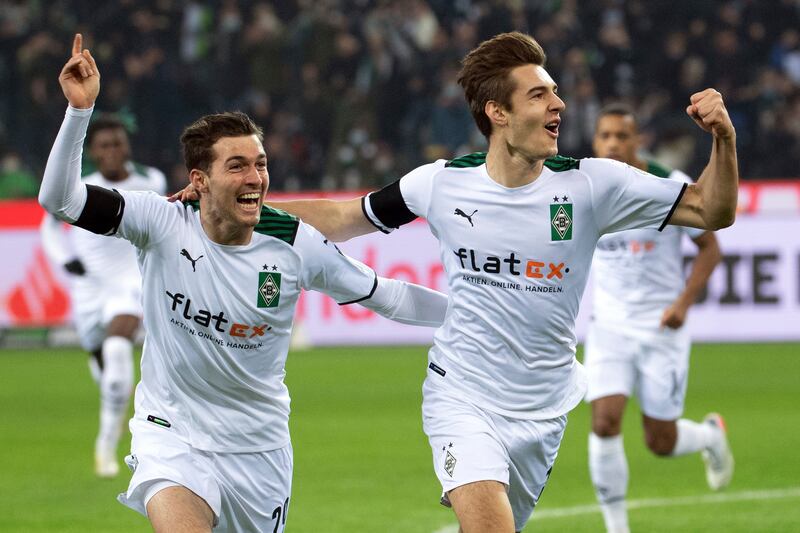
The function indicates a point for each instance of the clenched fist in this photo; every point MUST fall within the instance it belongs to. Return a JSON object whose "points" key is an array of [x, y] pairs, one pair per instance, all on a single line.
{"points": [[708, 110]]}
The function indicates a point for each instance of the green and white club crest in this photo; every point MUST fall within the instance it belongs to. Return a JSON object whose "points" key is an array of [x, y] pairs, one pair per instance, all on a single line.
{"points": [[561, 222], [269, 289]]}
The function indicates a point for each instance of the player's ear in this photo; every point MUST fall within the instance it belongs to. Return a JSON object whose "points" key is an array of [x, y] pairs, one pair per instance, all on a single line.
{"points": [[496, 113], [199, 180]]}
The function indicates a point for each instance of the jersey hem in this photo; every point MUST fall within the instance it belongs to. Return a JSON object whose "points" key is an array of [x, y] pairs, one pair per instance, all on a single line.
{"points": [[239, 449], [468, 395]]}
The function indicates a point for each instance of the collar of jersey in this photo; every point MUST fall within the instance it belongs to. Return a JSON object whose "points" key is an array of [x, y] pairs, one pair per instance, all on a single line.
{"points": [[544, 176]]}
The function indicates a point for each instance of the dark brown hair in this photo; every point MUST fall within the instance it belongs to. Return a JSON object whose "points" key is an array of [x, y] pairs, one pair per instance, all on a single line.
{"points": [[199, 137], [618, 109], [104, 121], [485, 72]]}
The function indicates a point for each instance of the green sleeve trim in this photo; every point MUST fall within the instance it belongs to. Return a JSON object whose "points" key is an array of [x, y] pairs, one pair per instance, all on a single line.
{"points": [[278, 224], [474, 159], [562, 163], [273, 222]]}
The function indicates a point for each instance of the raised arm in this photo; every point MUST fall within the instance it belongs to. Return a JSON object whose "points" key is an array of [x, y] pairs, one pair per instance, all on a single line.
{"points": [[711, 202], [62, 194], [338, 220]]}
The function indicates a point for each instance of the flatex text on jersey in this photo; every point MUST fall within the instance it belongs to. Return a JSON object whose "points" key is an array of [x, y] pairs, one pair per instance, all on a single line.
{"points": [[511, 264], [212, 321]]}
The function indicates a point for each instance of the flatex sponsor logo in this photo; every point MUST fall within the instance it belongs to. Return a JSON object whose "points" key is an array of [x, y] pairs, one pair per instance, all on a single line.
{"points": [[547, 273], [214, 323]]}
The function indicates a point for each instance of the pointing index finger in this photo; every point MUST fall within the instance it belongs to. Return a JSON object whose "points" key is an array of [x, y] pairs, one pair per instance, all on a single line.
{"points": [[77, 44]]}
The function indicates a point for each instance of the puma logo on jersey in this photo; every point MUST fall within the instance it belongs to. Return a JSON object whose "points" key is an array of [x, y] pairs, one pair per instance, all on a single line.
{"points": [[461, 213], [185, 254]]}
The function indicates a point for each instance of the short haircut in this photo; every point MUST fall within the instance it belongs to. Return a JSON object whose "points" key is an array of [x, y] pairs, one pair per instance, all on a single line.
{"points": [[199, 137], [104, 121], [485, 72], [618, 109]]}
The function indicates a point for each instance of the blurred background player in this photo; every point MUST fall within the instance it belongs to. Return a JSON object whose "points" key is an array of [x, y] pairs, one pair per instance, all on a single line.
{"points": [[636, 342], [106, 284]]}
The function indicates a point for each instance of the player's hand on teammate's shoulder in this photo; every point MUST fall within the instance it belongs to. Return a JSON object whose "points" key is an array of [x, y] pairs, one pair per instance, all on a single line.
{"points": [[80, 78], [708, 111], [187, 194]]}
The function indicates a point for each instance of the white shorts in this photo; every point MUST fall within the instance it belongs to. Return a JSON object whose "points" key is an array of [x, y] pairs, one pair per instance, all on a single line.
{"points": [[471, 444], [654, 367], [93, 309], [246, 491]]}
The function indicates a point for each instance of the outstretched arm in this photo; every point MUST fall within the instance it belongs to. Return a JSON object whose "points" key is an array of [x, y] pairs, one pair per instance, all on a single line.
{"points": [[338, 220], [407, 303], [711, 202], [708, 257]]}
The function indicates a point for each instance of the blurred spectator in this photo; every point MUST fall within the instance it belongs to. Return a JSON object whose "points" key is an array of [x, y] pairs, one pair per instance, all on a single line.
{"points": [[353, 92], [15, 180], [450, 121]]}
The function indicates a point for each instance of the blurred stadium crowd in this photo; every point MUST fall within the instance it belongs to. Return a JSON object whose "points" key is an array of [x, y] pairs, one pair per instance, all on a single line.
{"points": [[353, 93]]}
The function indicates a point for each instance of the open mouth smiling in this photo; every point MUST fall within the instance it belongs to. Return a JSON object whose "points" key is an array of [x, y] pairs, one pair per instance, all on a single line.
{"points": [[248, 200]]}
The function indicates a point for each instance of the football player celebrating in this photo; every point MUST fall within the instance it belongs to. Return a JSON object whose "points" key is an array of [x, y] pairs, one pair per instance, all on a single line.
{"points": [[221, 280], [517, 227]]}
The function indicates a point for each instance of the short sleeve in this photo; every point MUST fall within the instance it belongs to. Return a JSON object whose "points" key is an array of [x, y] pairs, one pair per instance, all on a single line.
{"points": [[679, 176], [326, 269], [146, 217], [402, 201], [624, 197], [417, 187]]}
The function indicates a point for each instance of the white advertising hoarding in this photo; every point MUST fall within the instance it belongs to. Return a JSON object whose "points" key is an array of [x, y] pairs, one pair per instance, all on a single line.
{"points": [[754, 295]]}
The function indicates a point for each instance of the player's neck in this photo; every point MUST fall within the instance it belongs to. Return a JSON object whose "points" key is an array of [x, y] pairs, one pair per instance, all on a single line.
{"points": [[512, 169], [114, 177], [222, 230]]}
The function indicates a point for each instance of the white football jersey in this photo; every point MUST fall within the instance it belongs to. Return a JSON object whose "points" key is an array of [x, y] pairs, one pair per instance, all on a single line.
{"points": [[105, 260], [517, 261], [218, 320], [638, 273]]}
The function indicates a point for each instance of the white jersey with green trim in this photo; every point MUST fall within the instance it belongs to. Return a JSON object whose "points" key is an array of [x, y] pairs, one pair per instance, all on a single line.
{"points": [[218, 320], [638, 273], [517, 261]]}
